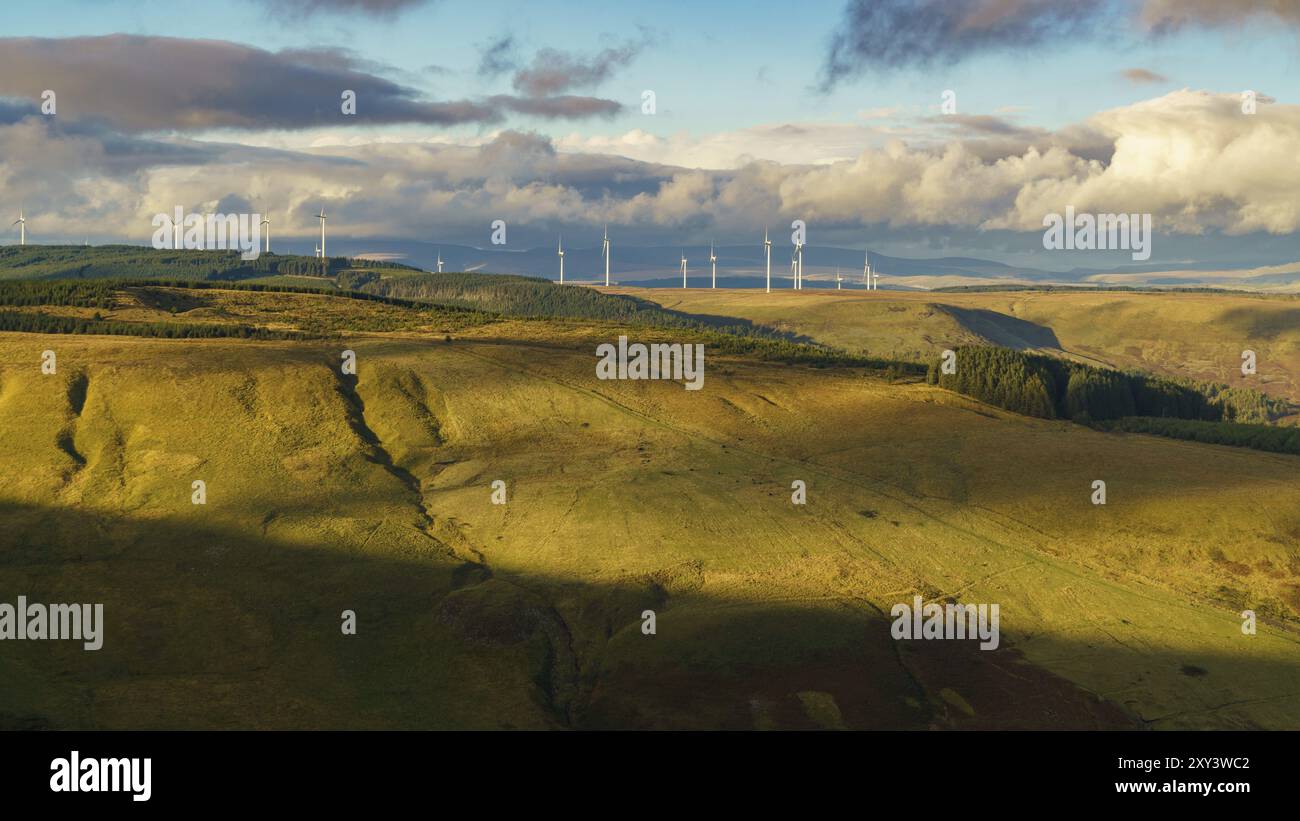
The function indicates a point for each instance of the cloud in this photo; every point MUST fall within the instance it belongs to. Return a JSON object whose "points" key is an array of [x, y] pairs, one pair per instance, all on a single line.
{"points": [[306, 8], [1192, 159], [200, 85], [1171, 15], [541, 85], [553, 71], [498, 56], [1142, 76], [884, 35], [890, 34], [561, 107]]}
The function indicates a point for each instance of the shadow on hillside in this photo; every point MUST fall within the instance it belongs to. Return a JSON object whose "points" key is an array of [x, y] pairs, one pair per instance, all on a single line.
{"points": [[1001, 329], [722, 322], [209, 626]]}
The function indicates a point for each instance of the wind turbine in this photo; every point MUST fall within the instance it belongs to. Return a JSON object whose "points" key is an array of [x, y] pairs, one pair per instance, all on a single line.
{"points": [[604, 251], [767, 250], [267, 222], [798, 270], [322, 218], [440, 260], [838, 286], [869, 277], [178, 228], [794, 273], [559, 250], [683, 269], [713, 261], [21, 222], [318, 251]]}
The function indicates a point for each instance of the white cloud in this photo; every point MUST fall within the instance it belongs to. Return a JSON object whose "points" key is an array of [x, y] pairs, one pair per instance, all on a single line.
{"points": [[1191, 158]]}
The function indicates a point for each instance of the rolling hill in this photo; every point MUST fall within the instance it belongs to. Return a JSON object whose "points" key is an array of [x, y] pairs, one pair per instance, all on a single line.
{"points": [[328, 492]]}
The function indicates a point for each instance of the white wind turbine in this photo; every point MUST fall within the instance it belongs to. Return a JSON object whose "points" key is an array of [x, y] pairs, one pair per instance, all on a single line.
{"points": [[869, 277], [794, 273], [713, 262], [559, 251], [21, 222], [440, 260], [767, 251], [838, 286], [604, 251], [267, 222], [322, 219], [683, 270], [178, 228], [798, 271]]}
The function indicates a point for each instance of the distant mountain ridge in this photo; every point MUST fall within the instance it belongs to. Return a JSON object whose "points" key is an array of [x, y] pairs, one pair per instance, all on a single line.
{"points": [[739, 266]]}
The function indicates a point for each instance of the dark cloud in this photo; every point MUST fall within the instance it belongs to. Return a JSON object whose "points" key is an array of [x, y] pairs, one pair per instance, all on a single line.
{"points": [[553, 71], [305, 8], [1142, 76], [894, 34], [891, 34], [149, 84], [562, 107], [541, 85], [1171, 15], [498, 56]]}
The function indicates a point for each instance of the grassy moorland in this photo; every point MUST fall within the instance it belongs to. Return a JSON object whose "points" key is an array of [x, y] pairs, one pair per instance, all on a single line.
{"points": [[1181, 334], [373, 493]]}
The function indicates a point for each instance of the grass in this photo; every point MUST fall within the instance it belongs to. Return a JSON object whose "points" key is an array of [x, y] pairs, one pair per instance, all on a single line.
{"points": [[328, 493], [1190, 335]]}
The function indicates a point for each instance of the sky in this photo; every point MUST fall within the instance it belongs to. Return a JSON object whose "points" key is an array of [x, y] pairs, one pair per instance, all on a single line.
{"points": [[826, 111]]}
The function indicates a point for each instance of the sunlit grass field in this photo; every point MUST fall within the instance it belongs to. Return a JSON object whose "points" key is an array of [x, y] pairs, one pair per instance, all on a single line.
{"points": [[373, 493], [1199, 336]]}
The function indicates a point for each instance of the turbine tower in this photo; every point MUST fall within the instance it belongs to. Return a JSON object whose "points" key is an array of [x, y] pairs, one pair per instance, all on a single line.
{"points": [[604, 251], [870, 278], [440, 260], [798, 269], [713, 261], [21, 222], [767, 250], [838, 286], [559, 250], [177, 229], [794, 273], [267, 222], [683, 270], [322, 218]]}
